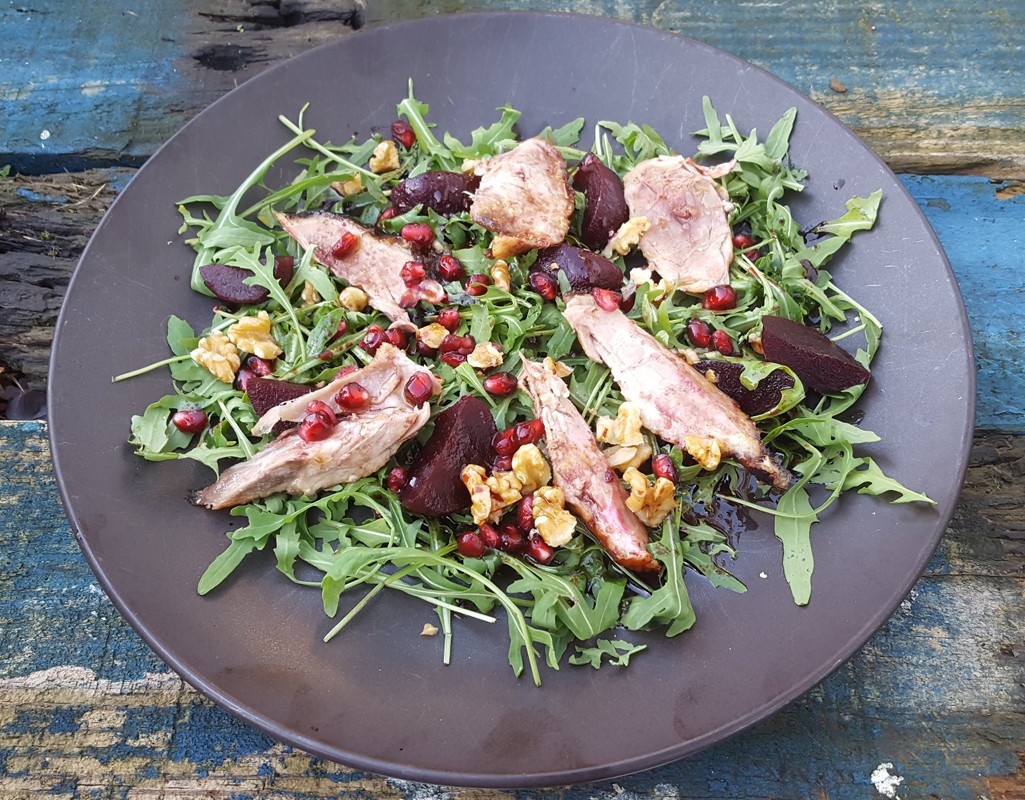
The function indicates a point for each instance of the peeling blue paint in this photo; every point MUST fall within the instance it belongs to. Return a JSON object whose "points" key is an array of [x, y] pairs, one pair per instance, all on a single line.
{"points": [[35, 197]]}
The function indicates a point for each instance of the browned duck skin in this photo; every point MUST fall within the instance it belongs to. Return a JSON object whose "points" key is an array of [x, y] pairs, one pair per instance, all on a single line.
{"points": [[358, 445], [524, 196], [592, 488], [675, 400], [374, 263], [689, 242]]}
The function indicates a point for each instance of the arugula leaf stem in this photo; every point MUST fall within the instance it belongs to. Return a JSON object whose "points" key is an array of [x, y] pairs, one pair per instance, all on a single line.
{"points": [[143, 370]]}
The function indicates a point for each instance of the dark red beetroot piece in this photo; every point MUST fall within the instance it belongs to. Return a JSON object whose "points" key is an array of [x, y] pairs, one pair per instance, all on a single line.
{"points": [[229, 286], [605, 208], [444, 192], [760, 400], [820, 364], [583, 269], [265, 393], [462, 435]]}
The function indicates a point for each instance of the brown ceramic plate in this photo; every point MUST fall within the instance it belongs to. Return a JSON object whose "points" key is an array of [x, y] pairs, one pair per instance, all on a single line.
{"points": [[378, 697]]}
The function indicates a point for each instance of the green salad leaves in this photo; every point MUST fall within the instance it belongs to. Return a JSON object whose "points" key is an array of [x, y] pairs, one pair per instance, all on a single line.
{"points": [[354, 541]]}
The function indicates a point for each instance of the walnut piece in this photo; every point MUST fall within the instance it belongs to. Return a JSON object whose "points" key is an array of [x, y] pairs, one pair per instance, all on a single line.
{"points": [[485, 356], [530, 468], [432, 335], [628, 236], [385, 157], [553, 522], [705, 451], [500, 275], [350, 187], [218, 355], [488, 496], [623, 457], [651, 504], [352, 298], [557, 368], [310, 296], [624, 429], [252, 335]]}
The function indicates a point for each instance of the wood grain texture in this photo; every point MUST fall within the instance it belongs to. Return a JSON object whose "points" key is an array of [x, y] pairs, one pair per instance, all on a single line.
{"points": [[87, 710], [932, 85], [45, 222]]}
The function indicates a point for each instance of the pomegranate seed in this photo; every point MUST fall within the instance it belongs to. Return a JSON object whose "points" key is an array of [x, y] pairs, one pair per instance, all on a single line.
{"points": [[342, 329], [419, 388], [457, 344], [314, 428], [699, 332], [284, 269], [346, 371], [503, 464], [259, 366], [403, 133], [504, 443], [525, 514], [346, 245], [720, 298], [242, 379], [453, 359], [418, 234], [627, 303], [387, 214], [449, 319], [413, 272], [470, 545], [397, 338], [353, 397], [477, 284], [397, 478], [529, 432], [663, 467], [489, 536], [511, 540], [320, 407], [543, 285], [743, 241], [539, 550], [722, 342], [501, 384], [191, 420], [450, 269], [605, 300], [424, 350], [373, 339]]}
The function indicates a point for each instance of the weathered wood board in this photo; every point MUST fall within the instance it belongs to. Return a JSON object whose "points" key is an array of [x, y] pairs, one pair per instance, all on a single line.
{"points": [[87, 710]]}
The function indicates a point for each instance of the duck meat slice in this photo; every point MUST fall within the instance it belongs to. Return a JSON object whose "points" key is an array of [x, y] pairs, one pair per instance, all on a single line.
{"points": [[689, 242], [358, 445], [675, 400], [373, 263], [524, 196], [592, 488]]}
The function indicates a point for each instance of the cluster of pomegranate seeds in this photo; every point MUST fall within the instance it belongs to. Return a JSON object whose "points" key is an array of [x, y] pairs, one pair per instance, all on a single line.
{"points": [[477, 284], [501, 384], [450, 269], [191, 420], [397, 478], [373, 339], [403, 133], [318, 423], [345, 246], [606, 299], [720, 298], [457, 344], [353, 397], [543, 285], [699, 332], [412, 273], [419, 388], [722, 342], [449, 319], [663, 467], [418, 234], [504, 443]]}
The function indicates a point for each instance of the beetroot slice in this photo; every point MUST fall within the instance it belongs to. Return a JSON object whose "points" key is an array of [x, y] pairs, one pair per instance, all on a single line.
{"points": [[583, 269], [265, 393], [760, 400], [462, 435], [820, 364], [229, 286]]}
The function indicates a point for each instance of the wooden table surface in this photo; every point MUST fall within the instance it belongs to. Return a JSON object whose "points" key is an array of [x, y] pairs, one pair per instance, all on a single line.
{"points": [[932, 707]]}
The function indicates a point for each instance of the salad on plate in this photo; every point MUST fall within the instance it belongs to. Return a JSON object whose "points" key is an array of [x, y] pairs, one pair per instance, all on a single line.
{"points": [[519, 380]]}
